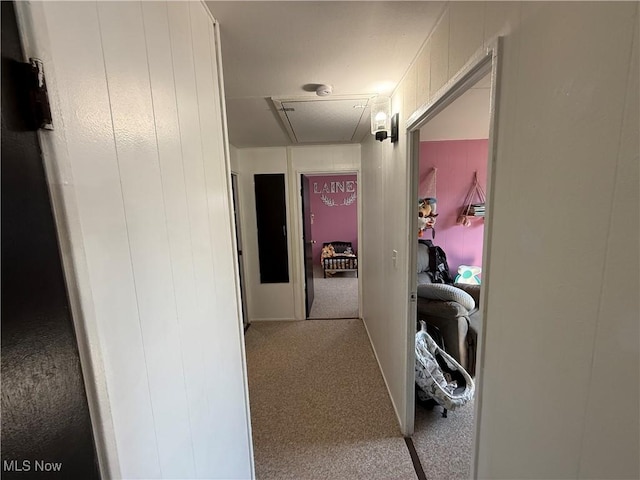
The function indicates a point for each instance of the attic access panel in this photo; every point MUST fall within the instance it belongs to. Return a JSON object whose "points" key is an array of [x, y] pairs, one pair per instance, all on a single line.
{"points": [[334, 120]]}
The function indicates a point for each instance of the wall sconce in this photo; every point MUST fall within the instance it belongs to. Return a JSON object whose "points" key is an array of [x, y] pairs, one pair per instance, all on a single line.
{"points": [[383, 124]]}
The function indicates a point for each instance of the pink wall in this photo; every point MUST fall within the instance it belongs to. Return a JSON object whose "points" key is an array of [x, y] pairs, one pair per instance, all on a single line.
{"points": [[456, 161], [331, 223]]}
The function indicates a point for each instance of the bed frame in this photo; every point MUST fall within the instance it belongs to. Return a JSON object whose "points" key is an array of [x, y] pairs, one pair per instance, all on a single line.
{"points": [[339, 262]]}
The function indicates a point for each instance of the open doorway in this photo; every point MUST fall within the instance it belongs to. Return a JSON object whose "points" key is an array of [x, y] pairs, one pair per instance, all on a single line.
{"points": [[330, 236], [451, 149], [453, 171]]}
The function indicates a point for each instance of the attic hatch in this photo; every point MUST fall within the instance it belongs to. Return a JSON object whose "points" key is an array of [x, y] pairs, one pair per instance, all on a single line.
{"points": [[327, 120]]}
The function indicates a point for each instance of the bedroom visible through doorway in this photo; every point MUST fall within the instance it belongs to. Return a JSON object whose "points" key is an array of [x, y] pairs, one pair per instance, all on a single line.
{"points": [[453, 163], [452, 142], [330, 236]]}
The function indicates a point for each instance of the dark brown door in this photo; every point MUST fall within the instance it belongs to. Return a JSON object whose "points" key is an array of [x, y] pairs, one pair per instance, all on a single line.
{"points": [[45, 416], [308, 243]]}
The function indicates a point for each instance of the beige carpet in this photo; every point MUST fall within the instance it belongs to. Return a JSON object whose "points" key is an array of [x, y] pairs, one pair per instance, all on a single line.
{"points": [[319, 406], [336, 296], [444, 444]]}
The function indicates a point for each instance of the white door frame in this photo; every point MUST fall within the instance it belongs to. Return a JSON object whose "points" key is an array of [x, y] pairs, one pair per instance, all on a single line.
{"points": [[235, 193], [483, 62]]}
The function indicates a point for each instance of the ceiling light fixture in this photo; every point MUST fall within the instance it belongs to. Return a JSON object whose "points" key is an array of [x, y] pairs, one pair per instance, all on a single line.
{"points": [[383, 124], [324, 90]]}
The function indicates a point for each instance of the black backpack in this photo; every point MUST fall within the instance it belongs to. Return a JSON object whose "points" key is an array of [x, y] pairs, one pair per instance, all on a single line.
{"points": [[438, 266]]}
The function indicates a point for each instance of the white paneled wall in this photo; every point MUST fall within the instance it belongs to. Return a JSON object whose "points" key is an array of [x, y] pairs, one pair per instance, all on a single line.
{"points": [[141, 191], [559, 146], [567, 139], [265, 301], [617, 328]]}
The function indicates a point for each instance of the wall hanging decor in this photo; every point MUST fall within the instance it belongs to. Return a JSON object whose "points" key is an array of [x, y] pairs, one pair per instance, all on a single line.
{"points": [[332, 193], [474, 203], [330, 202], [428, 184]]}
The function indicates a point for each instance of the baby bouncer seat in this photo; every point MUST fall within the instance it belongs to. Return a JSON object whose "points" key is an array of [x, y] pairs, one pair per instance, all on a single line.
{"points": [[439, 376]]}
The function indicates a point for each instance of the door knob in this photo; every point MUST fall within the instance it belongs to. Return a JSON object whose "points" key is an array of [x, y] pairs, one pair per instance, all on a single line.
{"points": [[313, 242]]}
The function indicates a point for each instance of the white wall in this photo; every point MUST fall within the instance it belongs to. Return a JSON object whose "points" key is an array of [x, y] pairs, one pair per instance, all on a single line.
{"points": [[558, 338], [233, 159], [283, 301], [265, 301], [140, 186], [384, 284], [560, 146], [467, 118]]}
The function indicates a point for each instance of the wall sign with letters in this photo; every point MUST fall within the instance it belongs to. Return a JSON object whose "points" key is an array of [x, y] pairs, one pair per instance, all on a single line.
{"points": [[328, 191]]}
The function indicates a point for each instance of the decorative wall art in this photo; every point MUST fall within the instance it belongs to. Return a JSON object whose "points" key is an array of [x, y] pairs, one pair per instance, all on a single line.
{"points": [[330, 202], [331, 193], [334, 210]]}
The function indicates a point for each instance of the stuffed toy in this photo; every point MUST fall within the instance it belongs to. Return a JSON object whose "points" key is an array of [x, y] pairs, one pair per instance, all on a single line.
{"points": [[327, 251], [426, 216]]}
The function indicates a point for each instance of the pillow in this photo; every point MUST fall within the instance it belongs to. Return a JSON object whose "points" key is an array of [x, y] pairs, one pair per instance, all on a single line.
{"points": [[423, 258], [448, 293]]}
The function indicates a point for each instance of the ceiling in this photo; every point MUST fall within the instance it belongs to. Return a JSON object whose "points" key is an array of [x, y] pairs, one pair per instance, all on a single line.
{"points": [[466, 118], [274, 53]]}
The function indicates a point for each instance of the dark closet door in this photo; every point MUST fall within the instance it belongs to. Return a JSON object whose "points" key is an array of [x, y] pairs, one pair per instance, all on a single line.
{"points": [[308, 243], [271, 213], [45, 416]]}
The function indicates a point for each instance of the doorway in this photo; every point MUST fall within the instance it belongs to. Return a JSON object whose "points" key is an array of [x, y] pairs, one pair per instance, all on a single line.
{"points": [[453, 167], [330, 240]]}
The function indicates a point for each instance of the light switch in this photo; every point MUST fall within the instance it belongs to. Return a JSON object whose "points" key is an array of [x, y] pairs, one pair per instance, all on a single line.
{"points": [[394, 257]]}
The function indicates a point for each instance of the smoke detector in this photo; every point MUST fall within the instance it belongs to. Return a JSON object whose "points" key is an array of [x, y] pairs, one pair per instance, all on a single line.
{"points": [[324, 90]]}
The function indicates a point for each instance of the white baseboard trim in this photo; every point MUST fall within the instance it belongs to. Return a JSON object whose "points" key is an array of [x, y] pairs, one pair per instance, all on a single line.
{"points": [[272, 320]]}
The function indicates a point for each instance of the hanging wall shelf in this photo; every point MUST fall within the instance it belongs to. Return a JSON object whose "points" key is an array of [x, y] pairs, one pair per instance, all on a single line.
{"points": [[474, 203]]}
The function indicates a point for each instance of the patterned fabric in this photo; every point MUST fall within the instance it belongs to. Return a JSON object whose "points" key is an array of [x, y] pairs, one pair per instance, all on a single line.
{"points": [[469, 275], [448, 293], [431, 378]]}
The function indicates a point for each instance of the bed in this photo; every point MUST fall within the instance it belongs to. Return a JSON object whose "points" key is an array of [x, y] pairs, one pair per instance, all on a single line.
{"points": [[338, 257]]}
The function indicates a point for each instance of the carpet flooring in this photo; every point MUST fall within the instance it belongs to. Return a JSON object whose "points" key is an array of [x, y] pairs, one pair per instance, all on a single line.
{"points": [[319, 405], [334, 297], [444, 445], [320, 410]]}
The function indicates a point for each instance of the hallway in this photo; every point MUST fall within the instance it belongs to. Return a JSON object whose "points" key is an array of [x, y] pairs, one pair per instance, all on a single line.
{"points": [[319, 406], [155, 104]]}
